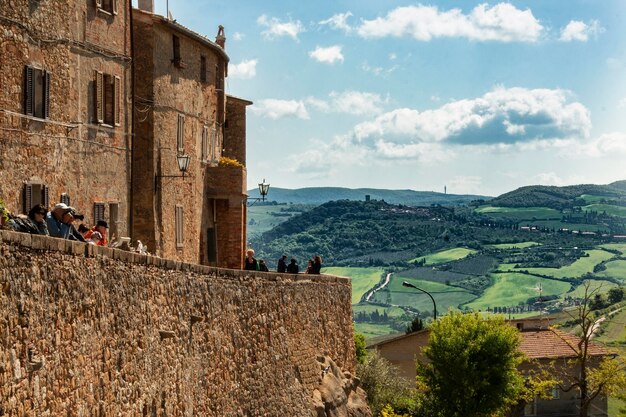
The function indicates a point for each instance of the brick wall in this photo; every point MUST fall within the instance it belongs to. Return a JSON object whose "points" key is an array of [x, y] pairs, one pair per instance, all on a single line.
{"points": [[117, 333]]}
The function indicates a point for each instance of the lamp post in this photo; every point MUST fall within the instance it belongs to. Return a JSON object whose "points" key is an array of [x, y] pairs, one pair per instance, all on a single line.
{"points": [[263, 189], [183, 166], [408, 284]]}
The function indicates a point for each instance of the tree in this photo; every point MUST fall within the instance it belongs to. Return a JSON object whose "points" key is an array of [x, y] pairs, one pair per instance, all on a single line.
{"points": [[359, 347], [597, 375], [416, 325], [616, 295], [473, 366]]}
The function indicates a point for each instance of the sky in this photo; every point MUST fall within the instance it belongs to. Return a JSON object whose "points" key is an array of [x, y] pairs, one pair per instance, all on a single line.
{"points": [[479, 97]]}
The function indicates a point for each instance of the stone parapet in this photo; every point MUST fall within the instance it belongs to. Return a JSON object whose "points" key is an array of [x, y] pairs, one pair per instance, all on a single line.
{"points": [[86, 329]]}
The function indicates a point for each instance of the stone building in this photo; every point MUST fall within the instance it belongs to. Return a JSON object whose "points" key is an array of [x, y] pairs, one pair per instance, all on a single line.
{"points": [[65, 94], [186, 204]]}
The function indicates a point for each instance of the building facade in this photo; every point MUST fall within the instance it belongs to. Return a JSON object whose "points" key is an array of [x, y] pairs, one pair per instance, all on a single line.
{"points": [[197, 212], [65, 96]]}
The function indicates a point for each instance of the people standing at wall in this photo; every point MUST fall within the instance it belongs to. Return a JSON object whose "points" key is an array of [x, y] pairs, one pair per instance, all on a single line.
{"points": [[282, 264], [250, 263], [263, 266], [293, 267], [68, 218], [309, 267], [316, 268], [100, 227], [34, 224]]}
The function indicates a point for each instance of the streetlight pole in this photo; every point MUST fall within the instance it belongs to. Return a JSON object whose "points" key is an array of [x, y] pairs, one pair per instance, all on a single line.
{"points": [[408, 284]]}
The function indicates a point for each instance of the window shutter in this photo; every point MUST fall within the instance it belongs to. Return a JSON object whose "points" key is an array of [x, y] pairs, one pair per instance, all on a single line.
{"points": [[28, 90], [114, 6], [98, 212], [212, 144], [27, 199], [99, 4], [117, 96], [46, 95], [205, 140], [179, 226], [44, 196], [65, 199], [98, 96], [180, 134]]}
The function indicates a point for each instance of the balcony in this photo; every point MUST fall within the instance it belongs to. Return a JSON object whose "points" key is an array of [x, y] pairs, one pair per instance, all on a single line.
{"points": [[225, 181]]}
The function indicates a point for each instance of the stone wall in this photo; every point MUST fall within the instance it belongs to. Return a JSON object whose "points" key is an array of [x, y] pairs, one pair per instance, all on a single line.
{"points": [[91, 331], [67, 151]]}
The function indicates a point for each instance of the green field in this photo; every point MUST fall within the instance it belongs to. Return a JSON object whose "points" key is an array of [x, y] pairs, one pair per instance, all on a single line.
{"points": [[263, 218], [557, 224], [615, 246], [521, 245], [576, 269], [510, 289], [592, 198], [445, 256], [599, 286], [619, 211], [615, 269], [445, 296], [363, 279], [521, 213], [370, 330]]}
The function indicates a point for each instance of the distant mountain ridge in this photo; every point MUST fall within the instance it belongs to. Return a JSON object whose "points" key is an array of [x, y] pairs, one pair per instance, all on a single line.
{"points": [[321, 195], [557, 197]]}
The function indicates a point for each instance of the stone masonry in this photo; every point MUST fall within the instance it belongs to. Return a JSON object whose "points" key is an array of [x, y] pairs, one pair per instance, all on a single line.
{"points": [[91, 331], [64, 149]]}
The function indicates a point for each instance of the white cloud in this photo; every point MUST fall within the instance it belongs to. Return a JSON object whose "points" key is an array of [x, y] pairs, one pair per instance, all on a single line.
{"points": [[246, 69], [501, 116], [237, 36], [275, 28], [338, 21], [277, 109], [356, 102], [502, 22], [622, 104], [378, 71], [610, 144], [392, 56], [350, 102], [580, 31], [328, 55]]}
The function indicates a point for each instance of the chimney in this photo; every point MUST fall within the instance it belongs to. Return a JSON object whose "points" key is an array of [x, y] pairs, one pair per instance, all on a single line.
{"points": [[146, 5], [220, 39]]}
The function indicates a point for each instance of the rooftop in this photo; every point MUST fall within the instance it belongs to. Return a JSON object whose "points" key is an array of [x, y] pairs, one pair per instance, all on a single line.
{"points": [[552, 343]]}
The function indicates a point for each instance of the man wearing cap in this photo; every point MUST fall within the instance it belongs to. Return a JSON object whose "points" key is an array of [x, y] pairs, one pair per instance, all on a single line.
{"points": [[100, 227], [56, 221]]}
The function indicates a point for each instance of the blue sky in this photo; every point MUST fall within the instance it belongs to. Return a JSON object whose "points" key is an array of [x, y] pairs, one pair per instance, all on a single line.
{"points": [[479, 97]]}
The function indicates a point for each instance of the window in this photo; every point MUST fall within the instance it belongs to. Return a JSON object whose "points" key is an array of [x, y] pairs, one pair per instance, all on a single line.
{"points": [[556, 393], [177, 59], [34, 193], [180, 134], [219, 80], [107, 6], [65, 199], [36, 92], [98, 212], [205, 143], [531, 408], [179, 226], [203, 69], [107, 93]]}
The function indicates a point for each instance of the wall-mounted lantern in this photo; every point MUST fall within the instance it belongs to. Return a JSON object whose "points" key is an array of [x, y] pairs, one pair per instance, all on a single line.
{"points": [[183, 166]]}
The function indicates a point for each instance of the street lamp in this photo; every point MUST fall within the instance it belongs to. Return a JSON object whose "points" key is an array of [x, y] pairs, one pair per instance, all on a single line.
{"points": [[408, 284], [263, 189], [183, 166]]}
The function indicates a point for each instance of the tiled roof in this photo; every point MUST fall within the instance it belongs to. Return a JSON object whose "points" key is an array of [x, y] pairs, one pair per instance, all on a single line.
{"points": [[552, 343]]}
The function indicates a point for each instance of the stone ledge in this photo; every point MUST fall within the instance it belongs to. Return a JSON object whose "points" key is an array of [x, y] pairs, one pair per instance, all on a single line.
{"points": [[79, 248]]}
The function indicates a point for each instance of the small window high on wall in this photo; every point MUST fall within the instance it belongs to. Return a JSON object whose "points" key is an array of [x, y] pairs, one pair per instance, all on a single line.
{"points": [[33, 193], [107, 96], [108, 6], [36, 92], [179, 226]]}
